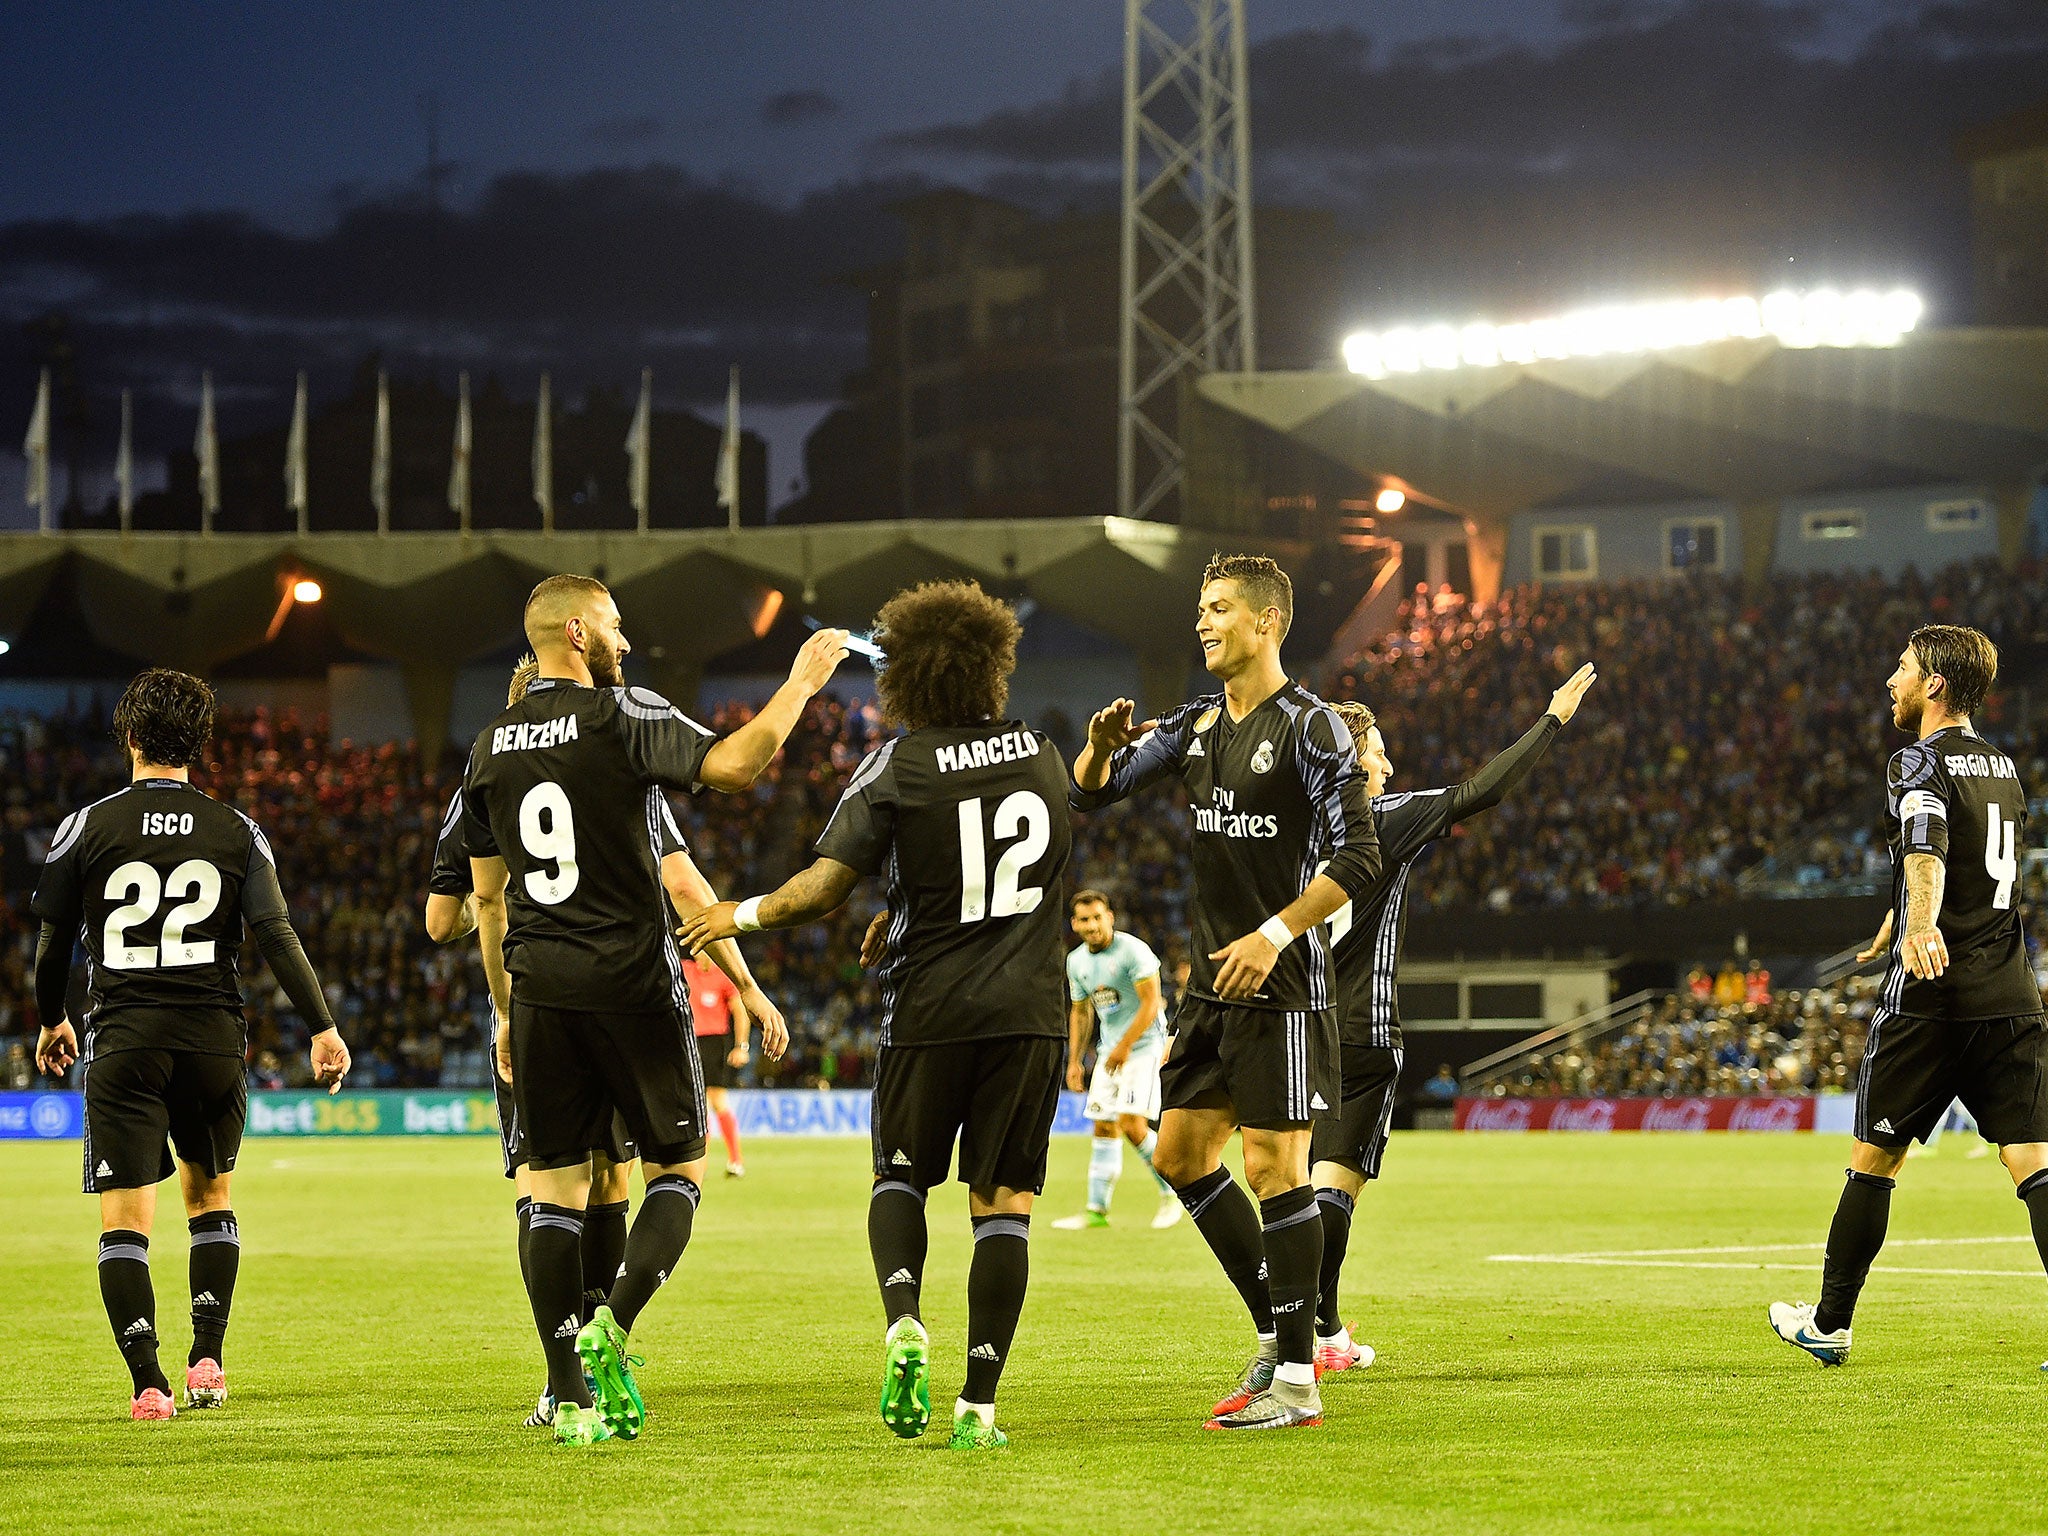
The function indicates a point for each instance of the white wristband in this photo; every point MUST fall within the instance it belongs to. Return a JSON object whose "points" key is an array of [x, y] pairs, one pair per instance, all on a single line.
{"points": [[747, 915], [1275, 932]]}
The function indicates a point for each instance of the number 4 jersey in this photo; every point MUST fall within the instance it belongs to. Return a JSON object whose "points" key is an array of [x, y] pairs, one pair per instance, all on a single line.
{"points": [[157, 882], [1958, 798], [970, 825]]}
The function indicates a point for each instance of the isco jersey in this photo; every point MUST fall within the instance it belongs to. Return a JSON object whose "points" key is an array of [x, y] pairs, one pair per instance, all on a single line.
{"points": [[969, 824], [566, 786], [1109, 978], [156, 882], [1958, 798], [1366, 934], [1275, 797]]}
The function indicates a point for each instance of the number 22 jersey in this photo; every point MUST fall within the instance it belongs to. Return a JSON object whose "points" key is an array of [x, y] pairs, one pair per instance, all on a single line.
{"points": [[1958, 798], [970, 825]]}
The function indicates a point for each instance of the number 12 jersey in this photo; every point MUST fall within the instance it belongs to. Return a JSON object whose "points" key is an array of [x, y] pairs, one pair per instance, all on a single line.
{"points": [[970, 825]]}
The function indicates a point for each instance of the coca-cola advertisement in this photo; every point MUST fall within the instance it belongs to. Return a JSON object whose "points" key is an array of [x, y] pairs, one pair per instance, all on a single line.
{"points": [[1763, 1112]]}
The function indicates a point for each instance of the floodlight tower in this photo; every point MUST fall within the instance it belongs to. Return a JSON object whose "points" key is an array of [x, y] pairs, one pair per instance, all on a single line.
{"points": [[1187, 229]]}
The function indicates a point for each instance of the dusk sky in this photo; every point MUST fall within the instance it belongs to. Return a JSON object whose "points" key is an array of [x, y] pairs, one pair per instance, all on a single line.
{"points": [[237, 186]]}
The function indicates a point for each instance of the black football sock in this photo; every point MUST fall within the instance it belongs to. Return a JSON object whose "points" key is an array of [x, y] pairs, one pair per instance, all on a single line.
{"points": [[996, 1282], [1335, 1207], [1229, 1223], [131, 1306], [1293, 1236], [555, 1251], [655, 1245], [604, 1251], [216, 1256], [522, 1212], [2033, 1191], [1853, 1242], [896, 1241]]}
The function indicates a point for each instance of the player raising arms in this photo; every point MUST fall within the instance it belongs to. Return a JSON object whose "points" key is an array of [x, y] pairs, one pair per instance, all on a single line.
{"points": [[159, 880], [1958, 1015], [451, 915], [965, 812], [563, 808], [1276, 794], [1113, 981], [1365, 938]]}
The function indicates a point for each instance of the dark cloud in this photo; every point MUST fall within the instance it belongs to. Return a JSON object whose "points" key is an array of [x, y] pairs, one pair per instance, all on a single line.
{"points": [[793, 109], [632, 132]]}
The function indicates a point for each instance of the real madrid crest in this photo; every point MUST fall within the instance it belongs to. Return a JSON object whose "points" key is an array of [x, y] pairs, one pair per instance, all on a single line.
{"points": [[1263, 758]]}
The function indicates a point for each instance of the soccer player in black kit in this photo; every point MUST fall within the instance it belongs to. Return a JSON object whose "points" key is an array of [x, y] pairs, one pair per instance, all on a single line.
{"points": [[157, 882], [966, 815], [563, 804], [1365, 943], [1958, 1015], [1282, 838]]}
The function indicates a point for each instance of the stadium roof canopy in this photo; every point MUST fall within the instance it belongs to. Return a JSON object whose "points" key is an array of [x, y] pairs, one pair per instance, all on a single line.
{"points": [[1742, 420]]}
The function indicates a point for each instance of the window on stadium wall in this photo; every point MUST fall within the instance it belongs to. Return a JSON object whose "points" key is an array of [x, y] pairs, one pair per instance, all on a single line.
{"points": [[1567, 551], [1693, 545], [1506, 999]]}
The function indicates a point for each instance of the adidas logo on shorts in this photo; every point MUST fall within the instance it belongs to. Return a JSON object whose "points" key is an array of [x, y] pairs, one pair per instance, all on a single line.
{"points": [[1885, 1126], [1317, 1103], [901, 1277], [205, 1299], [982, 1352], [103, 1171]]}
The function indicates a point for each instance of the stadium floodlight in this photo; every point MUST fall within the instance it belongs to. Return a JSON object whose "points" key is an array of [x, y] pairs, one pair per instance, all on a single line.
{"points": [[1823, 317], [1391, 499], [6, 646], [306, 590]]}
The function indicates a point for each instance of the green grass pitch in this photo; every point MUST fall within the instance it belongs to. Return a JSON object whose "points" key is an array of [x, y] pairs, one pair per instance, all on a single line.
{"points": [[381, 1358]]}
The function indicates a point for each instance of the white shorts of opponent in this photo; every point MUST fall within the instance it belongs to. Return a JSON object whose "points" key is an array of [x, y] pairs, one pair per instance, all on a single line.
{"points": [[1132, 1089]]}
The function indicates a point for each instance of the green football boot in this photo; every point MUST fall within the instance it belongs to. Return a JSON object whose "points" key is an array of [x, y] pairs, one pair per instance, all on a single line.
{"points": [[580, 1426], [608, 1369], [906, 1379], [970, 1434]]}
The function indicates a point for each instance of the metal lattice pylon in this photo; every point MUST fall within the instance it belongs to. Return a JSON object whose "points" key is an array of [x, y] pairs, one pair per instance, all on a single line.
{"points": [[1187, 229]]}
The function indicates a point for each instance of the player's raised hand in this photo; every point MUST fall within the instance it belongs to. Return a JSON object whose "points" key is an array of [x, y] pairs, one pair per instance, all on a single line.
{"points": [[1111, 729], [713, 923], [1565, 702], [56, 1049], [774, 1028], [818, 658], [330, 1059], [875, 942], [1926, 952], [1247, 962]]}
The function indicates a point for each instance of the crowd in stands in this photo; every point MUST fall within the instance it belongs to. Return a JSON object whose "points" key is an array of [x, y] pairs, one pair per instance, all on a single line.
{"points": [[1725, 728]]}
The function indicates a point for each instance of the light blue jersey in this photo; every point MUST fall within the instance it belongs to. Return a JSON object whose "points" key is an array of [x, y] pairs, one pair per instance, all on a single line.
{"points": [[1110, 980]]}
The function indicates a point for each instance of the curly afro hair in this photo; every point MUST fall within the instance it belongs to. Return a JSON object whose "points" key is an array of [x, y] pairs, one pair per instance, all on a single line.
{"points": [[950, 649], [165, 718]]}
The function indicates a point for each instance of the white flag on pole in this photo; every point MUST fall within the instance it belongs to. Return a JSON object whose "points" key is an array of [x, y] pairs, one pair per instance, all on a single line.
{"points": [[729, 452], [380, 456], [206, 446], [458, 469], [36, 449], [639, 443], [295, 458], [544, 458], [124, 463]]}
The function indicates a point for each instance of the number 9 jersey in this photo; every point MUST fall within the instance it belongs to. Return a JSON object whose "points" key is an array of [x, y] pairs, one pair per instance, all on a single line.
{"points": [[1957, 798], [156, 881], [970, 825]]}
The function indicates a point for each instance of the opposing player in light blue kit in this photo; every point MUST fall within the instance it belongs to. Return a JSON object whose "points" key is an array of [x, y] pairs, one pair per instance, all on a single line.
{"points": [[1113, 982]]}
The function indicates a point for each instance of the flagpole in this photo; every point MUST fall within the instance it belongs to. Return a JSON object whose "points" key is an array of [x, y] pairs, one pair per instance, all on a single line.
{"points": [[36, 449], [124, 464], [208, 449], [295, 461], [729, 453], [639, 445], [458, 469], [380, 457], [544, 458]]}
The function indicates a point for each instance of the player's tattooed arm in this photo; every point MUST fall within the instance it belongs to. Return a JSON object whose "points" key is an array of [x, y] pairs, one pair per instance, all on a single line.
{"points": [[803, 898], [735, 761], [1926, 952]]}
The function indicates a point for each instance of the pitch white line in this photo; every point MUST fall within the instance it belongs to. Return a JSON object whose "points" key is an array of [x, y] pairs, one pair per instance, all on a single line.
{"points": [[1688, 1258]]}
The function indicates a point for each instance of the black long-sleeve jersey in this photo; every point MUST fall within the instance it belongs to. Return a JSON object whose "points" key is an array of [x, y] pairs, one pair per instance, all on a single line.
{"points": [[1956, 797], [157, 881], [970, 825], [1366, 934], [1275, 797], [566, 787]]}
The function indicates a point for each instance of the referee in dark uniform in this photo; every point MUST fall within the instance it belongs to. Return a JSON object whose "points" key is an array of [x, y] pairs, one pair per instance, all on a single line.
{"points": [[563, 804]]}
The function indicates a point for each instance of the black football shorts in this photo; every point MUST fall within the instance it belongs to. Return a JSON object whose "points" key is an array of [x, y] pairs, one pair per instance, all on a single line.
{"points": [[571, 1071], [1357, 1137], [714, 1053], [997, 1097], [141, 1103], [1276, 1071], [1913, 1068], [617, 1145]]}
